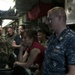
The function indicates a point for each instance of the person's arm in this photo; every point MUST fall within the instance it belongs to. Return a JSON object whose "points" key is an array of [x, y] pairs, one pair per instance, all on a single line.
{"points": [[15, 45], [22, 58], [71, 70], [33, 54]]}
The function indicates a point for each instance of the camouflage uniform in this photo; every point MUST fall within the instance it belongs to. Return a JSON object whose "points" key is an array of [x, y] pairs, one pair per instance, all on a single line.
{"points": [[3, 52], [3, 47], [9, 41]]}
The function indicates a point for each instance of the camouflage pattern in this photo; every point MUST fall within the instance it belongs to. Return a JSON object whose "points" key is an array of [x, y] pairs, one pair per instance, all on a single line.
{"points": [[3, 52], [9, 41], [3, 45], [5, 49]]}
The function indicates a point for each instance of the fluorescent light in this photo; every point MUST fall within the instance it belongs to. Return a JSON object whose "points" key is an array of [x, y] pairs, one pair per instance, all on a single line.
{"points": [[6, 4], [6, 22]]}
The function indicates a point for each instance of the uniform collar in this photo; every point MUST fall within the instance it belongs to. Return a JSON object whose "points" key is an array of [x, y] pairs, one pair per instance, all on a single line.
{"points": [[63, 34]]}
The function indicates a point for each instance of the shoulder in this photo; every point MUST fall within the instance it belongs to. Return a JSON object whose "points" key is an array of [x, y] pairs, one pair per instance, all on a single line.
{"points": [[6, 35], [37, 45], [2, 37], [15, 34], [71, 35]]}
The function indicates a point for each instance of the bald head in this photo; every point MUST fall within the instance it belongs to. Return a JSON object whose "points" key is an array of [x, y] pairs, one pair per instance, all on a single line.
{"points": [[59, 12]]}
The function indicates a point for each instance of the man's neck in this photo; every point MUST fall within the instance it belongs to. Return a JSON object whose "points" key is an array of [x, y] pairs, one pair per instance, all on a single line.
{"points": [[60, 30]]}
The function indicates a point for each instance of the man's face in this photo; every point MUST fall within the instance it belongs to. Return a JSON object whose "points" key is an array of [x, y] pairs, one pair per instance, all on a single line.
{"points": [[10, 31], [20, 29], [52, 21], [40, 36]]}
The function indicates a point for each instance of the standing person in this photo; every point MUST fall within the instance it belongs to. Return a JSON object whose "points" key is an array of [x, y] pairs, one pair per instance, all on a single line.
{"points": [[3, 45], [18, 39], [34, 52], [60, 54], [10, 37], [3, 50]]}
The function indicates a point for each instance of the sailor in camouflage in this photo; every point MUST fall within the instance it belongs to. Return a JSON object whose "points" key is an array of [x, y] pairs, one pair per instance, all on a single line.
{"points": [[3, 50], [3, 45], [9, 38]]}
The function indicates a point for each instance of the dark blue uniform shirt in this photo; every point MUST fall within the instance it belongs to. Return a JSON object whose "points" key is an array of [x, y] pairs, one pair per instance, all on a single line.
{"points": [[60, 53]]}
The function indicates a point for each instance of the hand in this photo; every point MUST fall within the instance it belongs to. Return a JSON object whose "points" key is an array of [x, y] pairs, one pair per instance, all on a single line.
{"points": [[16, 63], [24, 44]]}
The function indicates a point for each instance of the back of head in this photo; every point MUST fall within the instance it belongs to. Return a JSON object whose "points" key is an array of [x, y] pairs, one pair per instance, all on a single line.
{"points": [[31, 34], [58, 11]]}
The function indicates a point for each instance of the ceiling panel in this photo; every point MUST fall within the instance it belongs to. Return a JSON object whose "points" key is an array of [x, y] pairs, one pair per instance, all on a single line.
{"points": [[25, 5]]}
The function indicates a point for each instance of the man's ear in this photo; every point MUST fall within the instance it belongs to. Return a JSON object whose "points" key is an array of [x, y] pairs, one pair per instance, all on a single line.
{"points": [[59, 17]]}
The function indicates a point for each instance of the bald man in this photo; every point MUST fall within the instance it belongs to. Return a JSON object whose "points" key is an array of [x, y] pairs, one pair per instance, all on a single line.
{"points": [[60, 54]]}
